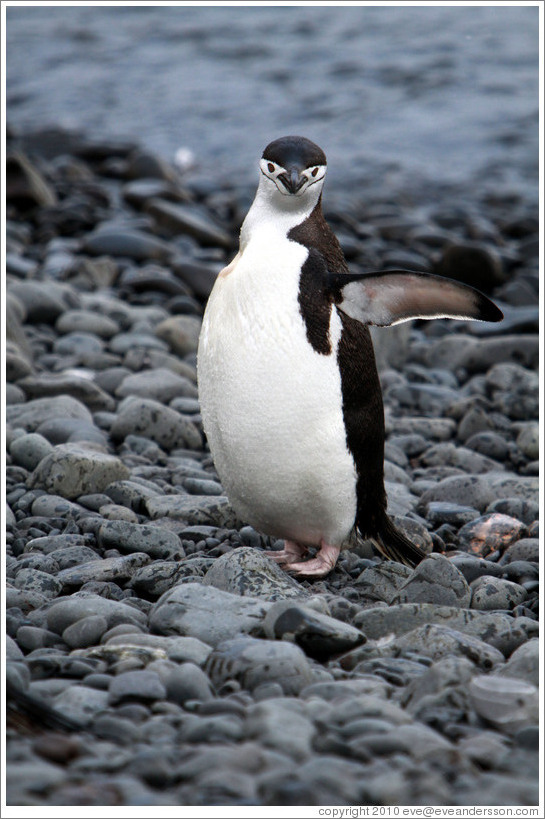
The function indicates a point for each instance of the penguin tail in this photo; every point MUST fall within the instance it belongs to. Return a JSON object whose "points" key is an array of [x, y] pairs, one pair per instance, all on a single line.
{"points": [[393, 544]]}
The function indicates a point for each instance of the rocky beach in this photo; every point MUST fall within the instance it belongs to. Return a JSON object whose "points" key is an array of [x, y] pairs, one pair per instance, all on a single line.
{"points": [[190, 668], [155, 656]]}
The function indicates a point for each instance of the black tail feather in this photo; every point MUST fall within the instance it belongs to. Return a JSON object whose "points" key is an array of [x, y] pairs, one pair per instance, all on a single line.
{"points": [[395, 546]]}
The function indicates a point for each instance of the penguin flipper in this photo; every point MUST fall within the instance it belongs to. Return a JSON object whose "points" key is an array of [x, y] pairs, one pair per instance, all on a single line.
{"points": [[394, 296]]}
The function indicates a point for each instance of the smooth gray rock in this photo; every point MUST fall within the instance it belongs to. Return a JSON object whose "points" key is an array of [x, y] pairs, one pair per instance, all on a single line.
{"points": [[28, 450], [382, 581], [169, 429], [481, 490], [523, 663], [528, 441], [453, 513], [39, 582], [156, 541], [508, 703], [68, 610], [320, 636], [398, 619], [250, 573], [524, 549], [178, 649], [68, 383], [140, 685], [116, 241], [437, 641], [181, 333], [281, 724], [210, 614], [195, 510], [72, 470], [87, 321], [490, 593], [253, 662], [160, 384], [183, 681], [81, 703], [32, 413], [85, 632], [32, 637], [44, 301], [110, 569], [435, 580]]}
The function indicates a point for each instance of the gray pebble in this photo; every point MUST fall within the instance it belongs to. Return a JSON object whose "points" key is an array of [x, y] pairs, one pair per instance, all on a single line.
{"points": [[437, 641], [86, 321], [33, 580], [319, 635], [506, 702], [523, 663], [32, 637], [115, 569], [85, 632], [435, 580], [252, 662], [169, 429], [183, 681], [160, 384], [197, 510], [381, 582], [251, 573], [68, 610], [28, 450], [210, 614], [140, 685], [523, 549], [72, 470], [490, 593], [178, 649], [80, 703], [281, 724], [32, 413], [444, 512], [156, 541]]}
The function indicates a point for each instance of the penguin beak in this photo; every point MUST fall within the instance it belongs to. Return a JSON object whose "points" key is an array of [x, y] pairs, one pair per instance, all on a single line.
{"points": [[293, 181]]}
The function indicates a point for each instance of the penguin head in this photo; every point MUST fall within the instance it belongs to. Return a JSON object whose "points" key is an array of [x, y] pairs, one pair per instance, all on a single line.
{"points": [[293, 166]]}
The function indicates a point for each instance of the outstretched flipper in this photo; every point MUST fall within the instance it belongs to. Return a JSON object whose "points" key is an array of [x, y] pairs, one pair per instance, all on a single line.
{"points": [[395, 296]]}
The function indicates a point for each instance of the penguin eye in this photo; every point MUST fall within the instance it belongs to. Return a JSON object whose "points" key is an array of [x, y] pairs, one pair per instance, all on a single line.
{"points": [[314, 171], [270, 167]]}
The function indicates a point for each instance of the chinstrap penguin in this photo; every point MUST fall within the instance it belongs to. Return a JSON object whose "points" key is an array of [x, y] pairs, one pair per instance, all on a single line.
{"points": [[290, 396]]}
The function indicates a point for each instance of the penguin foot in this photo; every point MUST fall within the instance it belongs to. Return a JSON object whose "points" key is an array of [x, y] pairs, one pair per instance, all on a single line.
{"points": [[319, 566], [291, 553]]}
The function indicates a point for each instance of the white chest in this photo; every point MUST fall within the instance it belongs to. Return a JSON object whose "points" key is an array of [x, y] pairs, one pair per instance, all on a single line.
{"points": [[271, 405]]}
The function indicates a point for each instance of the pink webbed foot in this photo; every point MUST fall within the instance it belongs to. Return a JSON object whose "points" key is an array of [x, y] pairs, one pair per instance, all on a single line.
{"points": [[291, 553], [319, 566]]}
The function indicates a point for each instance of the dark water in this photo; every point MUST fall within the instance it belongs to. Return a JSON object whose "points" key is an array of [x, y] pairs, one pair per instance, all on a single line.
{"points": [[447, 94]]}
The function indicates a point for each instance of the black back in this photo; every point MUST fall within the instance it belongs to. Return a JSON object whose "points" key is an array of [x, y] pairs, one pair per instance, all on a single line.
{"points": [[363, 412]]}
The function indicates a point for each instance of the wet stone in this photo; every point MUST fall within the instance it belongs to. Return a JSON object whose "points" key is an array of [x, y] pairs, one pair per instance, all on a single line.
{"points": [[85, 632], [319, 635], [72, 470], [509, 704], [253, 662], [28, 450], [210, 614], [491, 593], [437, 641], [169, 429], [435, 580], [159, 384], [156, 541], [251, 573], [523, 663], [139, 685], [42, 583], [489, 533], [444, 512]]}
